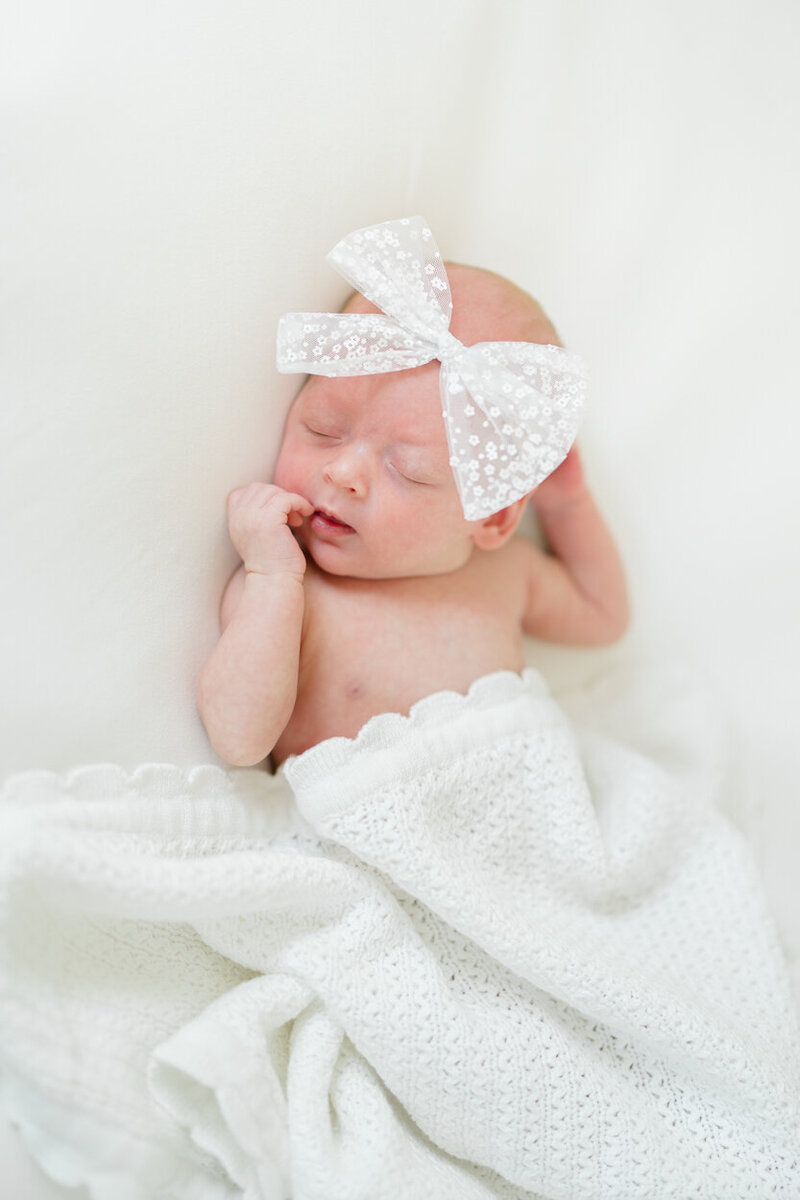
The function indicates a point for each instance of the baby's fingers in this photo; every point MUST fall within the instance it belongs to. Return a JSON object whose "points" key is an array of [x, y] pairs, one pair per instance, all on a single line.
{"points": [[235, 498], [297, 508], [267, 498]]}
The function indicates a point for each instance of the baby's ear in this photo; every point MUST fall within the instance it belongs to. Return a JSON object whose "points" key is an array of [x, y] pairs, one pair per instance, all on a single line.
{"points": [[493, 531]]}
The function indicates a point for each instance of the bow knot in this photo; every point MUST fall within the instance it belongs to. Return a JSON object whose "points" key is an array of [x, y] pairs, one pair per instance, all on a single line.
{"points": [[448, 347], [511, 409]]}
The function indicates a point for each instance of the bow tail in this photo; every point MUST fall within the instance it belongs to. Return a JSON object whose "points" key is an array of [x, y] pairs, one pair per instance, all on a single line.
{"points": [[505, 436], [485, 465]]}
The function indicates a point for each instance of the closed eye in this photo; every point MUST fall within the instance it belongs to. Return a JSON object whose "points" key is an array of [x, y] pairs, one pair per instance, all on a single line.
{"points": [[318, 432], [410, 478]]}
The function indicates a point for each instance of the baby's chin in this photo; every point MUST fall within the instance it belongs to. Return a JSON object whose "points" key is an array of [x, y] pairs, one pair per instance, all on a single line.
{"points": [[330, 561]]}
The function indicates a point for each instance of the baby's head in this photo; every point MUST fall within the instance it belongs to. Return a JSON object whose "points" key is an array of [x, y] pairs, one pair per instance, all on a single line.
{"points": [[370, 452]]}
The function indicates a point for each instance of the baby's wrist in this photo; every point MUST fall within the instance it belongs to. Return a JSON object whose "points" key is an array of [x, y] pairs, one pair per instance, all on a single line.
{"points": [[272, 575], [561, 505]]}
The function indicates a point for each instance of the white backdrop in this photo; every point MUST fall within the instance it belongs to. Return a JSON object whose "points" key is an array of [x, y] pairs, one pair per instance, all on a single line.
{"points": [[177, 173]]}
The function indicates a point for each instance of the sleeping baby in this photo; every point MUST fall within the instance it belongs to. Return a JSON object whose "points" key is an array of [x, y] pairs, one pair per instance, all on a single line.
{"points": [[455, 945], [506, 957], [375, 570]]}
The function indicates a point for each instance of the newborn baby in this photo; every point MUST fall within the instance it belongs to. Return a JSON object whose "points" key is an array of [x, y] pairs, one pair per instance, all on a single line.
{"points": [[475, 951], [364, 586]]}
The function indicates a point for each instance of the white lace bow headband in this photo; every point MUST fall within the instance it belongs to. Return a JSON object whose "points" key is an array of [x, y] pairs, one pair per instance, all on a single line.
{"points": [[511, 409]]}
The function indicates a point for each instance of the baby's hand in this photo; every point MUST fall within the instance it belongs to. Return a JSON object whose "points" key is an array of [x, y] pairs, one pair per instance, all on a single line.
{"points": [[259, 520], [562, 487]]}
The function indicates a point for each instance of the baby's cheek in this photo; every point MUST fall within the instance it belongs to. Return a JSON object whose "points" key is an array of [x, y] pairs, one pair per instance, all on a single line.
{"points": [[285, 473]]}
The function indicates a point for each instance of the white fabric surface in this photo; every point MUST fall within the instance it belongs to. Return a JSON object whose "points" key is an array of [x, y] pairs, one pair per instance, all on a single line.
{"points": [[176, 174], [490, 956]]}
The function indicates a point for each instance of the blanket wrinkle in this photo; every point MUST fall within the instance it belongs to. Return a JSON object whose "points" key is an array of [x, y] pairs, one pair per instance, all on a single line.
{"points": [[474, 952]]}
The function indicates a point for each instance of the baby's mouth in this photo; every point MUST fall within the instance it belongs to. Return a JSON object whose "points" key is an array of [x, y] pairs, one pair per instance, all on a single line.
{"points": [[326, 523]]}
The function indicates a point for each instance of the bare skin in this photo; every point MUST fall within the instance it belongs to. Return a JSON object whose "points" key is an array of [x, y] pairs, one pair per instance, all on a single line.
{"points": [[362, 588]]}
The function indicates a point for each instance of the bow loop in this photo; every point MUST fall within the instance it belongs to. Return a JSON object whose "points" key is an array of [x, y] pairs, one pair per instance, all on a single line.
{"points": [[511, 409], [397, 266]]}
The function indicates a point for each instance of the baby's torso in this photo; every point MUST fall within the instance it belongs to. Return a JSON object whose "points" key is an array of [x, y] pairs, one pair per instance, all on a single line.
{"points": [[380, 646]]}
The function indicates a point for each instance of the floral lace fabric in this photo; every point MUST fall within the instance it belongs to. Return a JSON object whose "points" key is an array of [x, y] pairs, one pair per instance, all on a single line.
{"points": [[511, 409]]}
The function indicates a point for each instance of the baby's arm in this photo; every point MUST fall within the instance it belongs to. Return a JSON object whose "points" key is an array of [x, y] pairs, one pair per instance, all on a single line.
{"points": [[248, 687], [577, 592]]}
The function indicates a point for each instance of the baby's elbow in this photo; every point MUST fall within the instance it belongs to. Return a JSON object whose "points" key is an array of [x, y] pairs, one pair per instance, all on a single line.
{"points": [[236, 747], [237, 751], [241, 757], [613, 626]]}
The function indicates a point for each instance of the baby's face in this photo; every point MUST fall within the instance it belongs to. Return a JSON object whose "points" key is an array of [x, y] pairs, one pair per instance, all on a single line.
{"points": [[370, 453]]}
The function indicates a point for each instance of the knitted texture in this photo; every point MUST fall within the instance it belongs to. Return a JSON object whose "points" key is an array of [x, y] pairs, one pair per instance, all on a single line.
{"points": [[471, 953]]}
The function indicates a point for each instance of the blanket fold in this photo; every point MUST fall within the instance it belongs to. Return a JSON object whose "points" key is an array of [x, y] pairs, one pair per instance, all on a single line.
{"points": [[473, 952]]}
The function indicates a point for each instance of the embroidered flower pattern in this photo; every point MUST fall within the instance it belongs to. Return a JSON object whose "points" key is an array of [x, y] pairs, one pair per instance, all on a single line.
{"points": [[520, 401]]}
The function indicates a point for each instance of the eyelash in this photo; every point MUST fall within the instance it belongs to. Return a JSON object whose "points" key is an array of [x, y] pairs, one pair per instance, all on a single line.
{"points": [[408, 478]]}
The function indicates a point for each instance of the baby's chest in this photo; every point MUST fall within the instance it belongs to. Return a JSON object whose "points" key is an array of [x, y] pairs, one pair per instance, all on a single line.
{"points": [[374, 648], [388, 639]]}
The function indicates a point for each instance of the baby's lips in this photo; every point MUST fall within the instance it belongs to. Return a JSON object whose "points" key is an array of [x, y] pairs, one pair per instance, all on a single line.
{"points": [[329, 522]]}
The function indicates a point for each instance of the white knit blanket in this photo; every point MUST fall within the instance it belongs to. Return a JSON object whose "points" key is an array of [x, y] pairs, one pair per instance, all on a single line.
{"points": [[472, 953]]}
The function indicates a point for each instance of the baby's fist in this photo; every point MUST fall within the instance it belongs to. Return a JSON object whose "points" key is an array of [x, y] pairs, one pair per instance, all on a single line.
{"points": [[561, 488], [259, 520]]}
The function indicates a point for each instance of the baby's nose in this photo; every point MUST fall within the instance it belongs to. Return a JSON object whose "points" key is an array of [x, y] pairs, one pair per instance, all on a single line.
{"points": [[347, 470]]}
